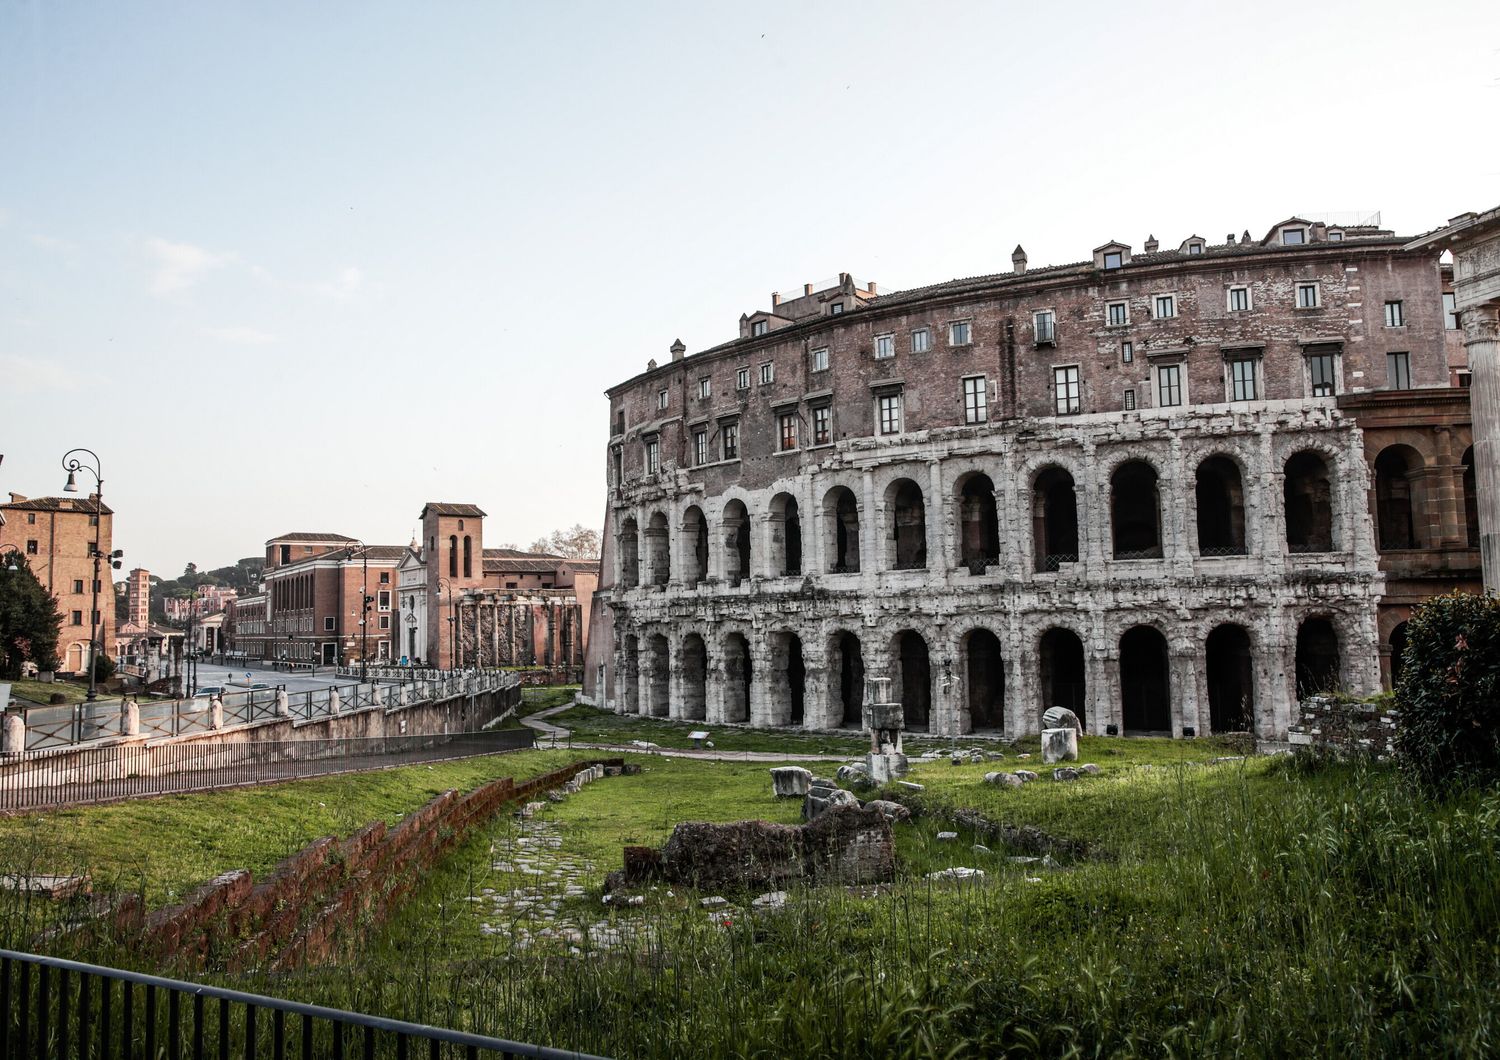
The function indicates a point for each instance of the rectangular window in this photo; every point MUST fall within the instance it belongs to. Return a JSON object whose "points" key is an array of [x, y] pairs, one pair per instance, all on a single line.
{"points": [[385, 621], [921, 340], [653, 456], [1307, 296], [1395, 316], [758, 327], [742, 379], [1130, 400], [1242, 380], [700, 447], [1292, 237], [31, 516], [1117, 314], [1045, 324], [1166, 306], [1450, 311], [976, 405], [958, 333], [767, 373], [1065, 390], [835, 308], [1113, 259], [885, 346], [822, 434], [820, 359], [787, 430], [31, 547], [77, 618], [1239, 299], [1465, 379], [1320, 374], [385, 577], [1168, 385], [890, 413], [1398, 370], [730, 434], [705, 387], [327, 623], [383, 603], [662, 398], [619, 467], [78, 585], [1127, 352]]}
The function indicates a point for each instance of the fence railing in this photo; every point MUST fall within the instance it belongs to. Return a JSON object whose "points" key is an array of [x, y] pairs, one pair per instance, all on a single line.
{"points": [[55, 1007], [74, 724], [123, 771]]}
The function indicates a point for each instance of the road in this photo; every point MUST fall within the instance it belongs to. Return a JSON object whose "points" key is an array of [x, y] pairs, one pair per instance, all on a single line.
{"points": [[297, 681]]}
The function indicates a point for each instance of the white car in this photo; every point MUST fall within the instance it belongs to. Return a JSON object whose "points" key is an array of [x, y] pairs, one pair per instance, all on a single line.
{"points": [[209, 691]]}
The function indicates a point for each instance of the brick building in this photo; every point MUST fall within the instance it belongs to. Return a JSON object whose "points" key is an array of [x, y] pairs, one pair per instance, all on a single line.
{"points": [[211, 600], [138, 598], [57, 534], [1172, 490]]}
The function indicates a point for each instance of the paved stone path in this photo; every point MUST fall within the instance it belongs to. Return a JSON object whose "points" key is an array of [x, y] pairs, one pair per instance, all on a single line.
{"points": [[560, 735]]}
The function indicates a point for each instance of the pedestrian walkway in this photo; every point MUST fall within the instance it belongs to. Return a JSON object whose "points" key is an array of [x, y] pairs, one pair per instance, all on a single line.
{"points": [[550, 735]]}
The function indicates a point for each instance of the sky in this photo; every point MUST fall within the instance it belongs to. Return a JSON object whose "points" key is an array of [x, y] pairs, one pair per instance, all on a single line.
{"points": [[293, 266]]}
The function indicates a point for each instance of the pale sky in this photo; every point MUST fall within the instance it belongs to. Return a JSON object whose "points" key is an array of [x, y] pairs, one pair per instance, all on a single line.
{"points": [[306, 266]]}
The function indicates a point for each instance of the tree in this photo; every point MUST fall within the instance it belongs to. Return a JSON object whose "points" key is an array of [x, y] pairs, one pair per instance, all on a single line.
{"points": [[29, 621], [577, 542]]}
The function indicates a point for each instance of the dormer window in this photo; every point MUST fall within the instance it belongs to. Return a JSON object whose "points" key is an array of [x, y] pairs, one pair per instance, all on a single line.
{"points": [[1335, 236], [1195, 248], [1293, 237], [835, 308], [758, 327], [1113, 259]]}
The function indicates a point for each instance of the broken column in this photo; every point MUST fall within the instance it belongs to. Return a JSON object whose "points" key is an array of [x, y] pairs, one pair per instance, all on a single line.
{"points": [[885, 720]]}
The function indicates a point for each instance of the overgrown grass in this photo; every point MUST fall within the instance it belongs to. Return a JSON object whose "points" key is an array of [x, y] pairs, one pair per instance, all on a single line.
{"points": [[42, 691]]}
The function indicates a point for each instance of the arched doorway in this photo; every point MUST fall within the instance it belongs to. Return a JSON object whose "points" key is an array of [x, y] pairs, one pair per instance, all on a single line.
{"points": [[978, 524], [789, 681], [1396, 469], [985, 681], [1054, 519], [694, 678], [1135, 511], [846, 660], [1220, 501], [908, 541], [1231, 680], [1318, 660], [695, 538], [1308, 495], [1145, 684], [736, 543], [737, 677], [1063, 675], [914, 679]]}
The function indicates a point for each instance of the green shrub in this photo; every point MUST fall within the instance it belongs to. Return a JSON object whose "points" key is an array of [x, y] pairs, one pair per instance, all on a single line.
{"points": [[1448, 695], [104, 667]]}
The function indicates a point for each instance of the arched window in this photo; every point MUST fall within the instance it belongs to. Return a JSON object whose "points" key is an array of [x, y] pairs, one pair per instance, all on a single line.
{"points": [[1145, 685], [1063, 678], [846, 659], [468, 556], [453, 556], [1231, 680], [736, 543], [1220, 497], [695, 539], [1308, 495], [1395, 472], [841, 530], [914, 678], [908, 540], [630, 554], [985, 678], [786, 535], [978, 524], [1054, 520], [1135, 511], [658, 549]]}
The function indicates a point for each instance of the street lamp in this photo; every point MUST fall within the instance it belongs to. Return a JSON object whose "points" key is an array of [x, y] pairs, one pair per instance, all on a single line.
{"points": [[14, 551], [73, 463], [365, 600], [445, 584]]}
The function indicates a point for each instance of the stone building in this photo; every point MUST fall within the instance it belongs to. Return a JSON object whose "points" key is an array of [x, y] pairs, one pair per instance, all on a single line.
{"points": [[1140, 486], [57, 534]]}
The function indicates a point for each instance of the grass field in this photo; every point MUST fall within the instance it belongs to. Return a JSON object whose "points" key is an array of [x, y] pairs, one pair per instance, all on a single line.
{"points": [[42, 691]]}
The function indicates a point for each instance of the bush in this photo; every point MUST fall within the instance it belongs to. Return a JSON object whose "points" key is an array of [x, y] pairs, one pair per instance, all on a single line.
{"points": [[104, 668], [1448, 696]]}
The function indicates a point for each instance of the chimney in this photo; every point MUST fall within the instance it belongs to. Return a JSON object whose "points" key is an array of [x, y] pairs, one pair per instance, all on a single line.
{"points": [[775, 299], [1245, 237], [1229, 239], [1018, 259], [872, 287], [651, 365], [1319, 232], [678, 349], [16, 498], [806, 289], [1151, 244]]}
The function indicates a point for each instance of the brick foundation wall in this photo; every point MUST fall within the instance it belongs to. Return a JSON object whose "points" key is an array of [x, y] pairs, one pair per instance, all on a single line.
{"points": [[1344, 728]]}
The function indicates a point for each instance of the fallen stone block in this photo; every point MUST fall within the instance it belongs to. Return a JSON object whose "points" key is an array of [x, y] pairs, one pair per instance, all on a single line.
{"points": [[790, 782]]}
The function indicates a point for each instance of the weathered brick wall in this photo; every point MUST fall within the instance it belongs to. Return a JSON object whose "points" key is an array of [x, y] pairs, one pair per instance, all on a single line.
{"points": [[1344, 728]]}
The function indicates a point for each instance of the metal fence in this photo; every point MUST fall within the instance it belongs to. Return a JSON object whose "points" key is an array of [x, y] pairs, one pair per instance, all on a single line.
{"points": [[123, 771], [55, 1007]]}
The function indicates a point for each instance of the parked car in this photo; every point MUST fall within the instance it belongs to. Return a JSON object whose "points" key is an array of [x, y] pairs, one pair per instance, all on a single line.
{"points": [[209, 691]]}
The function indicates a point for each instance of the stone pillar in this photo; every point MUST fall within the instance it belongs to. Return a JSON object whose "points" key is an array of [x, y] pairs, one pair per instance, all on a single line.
{"points": [[1021, 667], [1179, 520], [760, 679], [1481, 324], [283, 708], [1443, 483], [871, 555], [335, 702], [815, 711], [215, 713], [1091, 496], [941, 519], [713, 679], [1183, 674], [15, 734], [1013, 517], [130, 717]]}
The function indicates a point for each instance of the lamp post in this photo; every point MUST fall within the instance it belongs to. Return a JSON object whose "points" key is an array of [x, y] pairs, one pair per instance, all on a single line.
{"points": [[444, 585], [364, 605], [73, 462], [15, 551]]}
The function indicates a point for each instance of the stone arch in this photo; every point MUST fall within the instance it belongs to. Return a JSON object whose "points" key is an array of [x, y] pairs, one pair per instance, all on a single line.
{"points": [[630, 553], [694, 546], [1054, 518], [659, 669], [658, 549], [984, 680], [1307, 490], [841, 530], [786, 536], [738, 675], [912, 665], [1471, 498], [1135, 510], [907, 541], [788, 684], [1230, 667], [1145, 680], [978, 522], [736, 529], [1319, 658], [1063, 672], [1219, 501], [846, 680], [693, 656], [1397, 473]]}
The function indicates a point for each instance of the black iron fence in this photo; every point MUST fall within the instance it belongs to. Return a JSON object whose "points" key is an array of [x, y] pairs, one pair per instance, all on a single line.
{"points": [[122, 771], [53, 1007]]}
